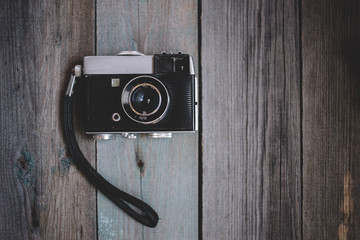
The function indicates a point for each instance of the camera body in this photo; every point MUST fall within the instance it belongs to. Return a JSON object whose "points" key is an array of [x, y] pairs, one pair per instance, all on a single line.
{"points": [[133, 93]]}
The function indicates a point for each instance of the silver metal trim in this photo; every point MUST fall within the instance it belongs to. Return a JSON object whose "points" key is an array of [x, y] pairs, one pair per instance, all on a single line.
{"points": [[116, 117], [121, 133], [130, 53], [196, 90], [70, 88], [77, 71], [101, 136], [115, 82], [196, 117], [167, 104], [128, 135], [192, 68], [147, 114], [118, 65], [160, 135]]}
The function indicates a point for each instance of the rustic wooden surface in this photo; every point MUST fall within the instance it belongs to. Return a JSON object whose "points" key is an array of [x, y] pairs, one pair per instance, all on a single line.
{"points": [[42, 195], [280, 121], [251, 120], [331, 119], [162, 172]]}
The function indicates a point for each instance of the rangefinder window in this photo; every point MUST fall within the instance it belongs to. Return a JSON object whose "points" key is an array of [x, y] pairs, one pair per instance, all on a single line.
{"points": [[171, 64]]}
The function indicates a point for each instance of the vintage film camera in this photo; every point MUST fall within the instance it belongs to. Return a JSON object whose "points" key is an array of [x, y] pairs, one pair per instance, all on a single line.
{"points": [[134, 93]]}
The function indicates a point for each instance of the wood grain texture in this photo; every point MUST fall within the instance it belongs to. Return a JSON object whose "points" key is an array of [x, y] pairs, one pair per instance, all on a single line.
{"points": [[251, 120], [168, 179], [42, 195], [331, 119]]}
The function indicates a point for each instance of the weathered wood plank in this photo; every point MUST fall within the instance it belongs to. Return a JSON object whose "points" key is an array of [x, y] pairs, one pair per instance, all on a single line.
{"points": [[168, 180], [331, 119], [116, 161], [251, 120], [42, 196]]}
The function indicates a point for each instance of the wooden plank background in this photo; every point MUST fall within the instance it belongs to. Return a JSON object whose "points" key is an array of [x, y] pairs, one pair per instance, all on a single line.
{"points": [[280, 129], [42, 196], [251, 120], [163, 172], [331, 119]]}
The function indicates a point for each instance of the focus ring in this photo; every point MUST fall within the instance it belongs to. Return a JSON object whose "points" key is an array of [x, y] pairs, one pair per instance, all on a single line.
{"points": [[145, 93]]}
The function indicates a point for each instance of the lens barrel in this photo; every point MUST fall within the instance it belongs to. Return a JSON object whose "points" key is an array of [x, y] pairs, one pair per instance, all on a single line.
{"points": [[145, 99]]}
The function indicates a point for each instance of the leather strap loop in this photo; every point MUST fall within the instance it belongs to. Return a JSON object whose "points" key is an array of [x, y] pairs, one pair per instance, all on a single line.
{"points": [[121, 199]]}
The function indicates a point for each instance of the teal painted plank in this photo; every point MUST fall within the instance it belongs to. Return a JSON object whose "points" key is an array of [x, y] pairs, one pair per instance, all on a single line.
{"points": [[116, 161], [170, 184], [168, 179]]}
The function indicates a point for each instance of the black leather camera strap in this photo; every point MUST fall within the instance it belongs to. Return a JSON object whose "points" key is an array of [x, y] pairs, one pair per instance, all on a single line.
{"points": [[121, 199]]}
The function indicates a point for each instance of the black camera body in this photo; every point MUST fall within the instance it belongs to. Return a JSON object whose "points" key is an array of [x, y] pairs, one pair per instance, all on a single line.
{"points": [[133, 93]]}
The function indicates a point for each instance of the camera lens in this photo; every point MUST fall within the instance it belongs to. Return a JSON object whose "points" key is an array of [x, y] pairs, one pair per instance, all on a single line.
{"points": [[145, 99]]}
